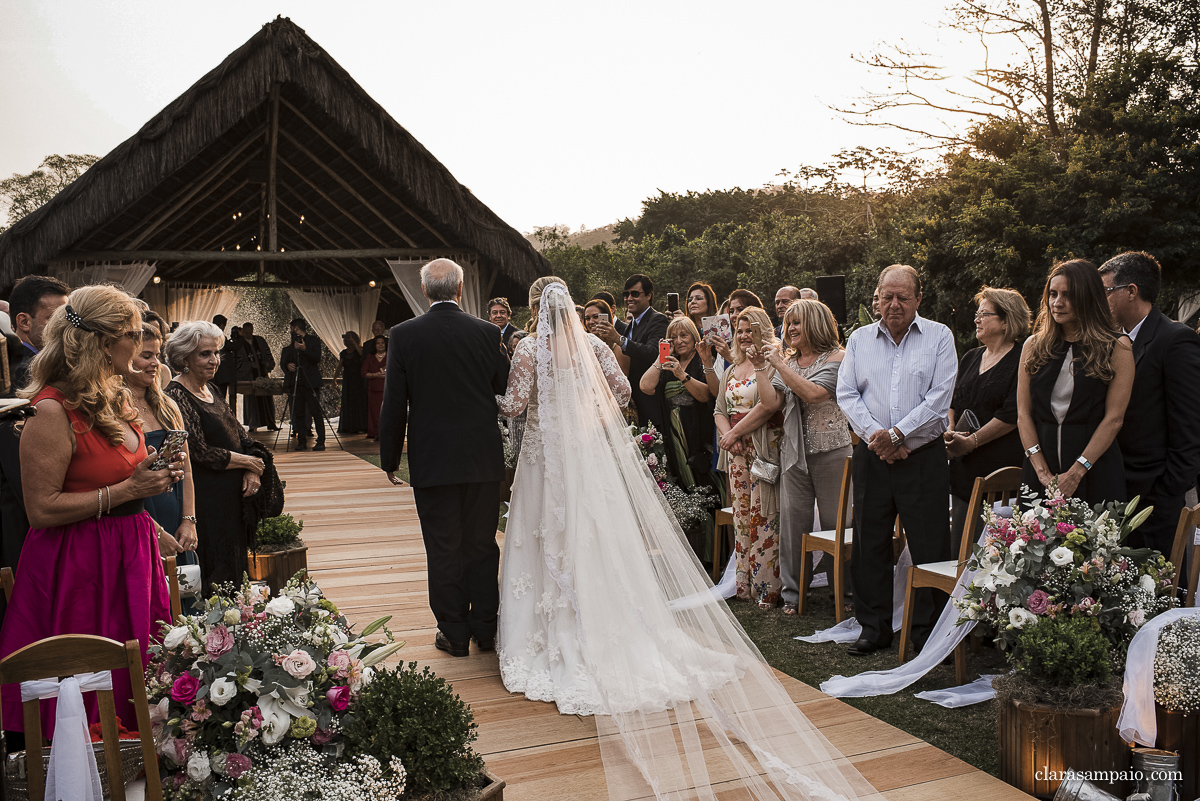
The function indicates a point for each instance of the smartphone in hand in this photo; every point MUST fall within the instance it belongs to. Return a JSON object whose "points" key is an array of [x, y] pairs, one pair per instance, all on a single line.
{"points": [[172, 445], [664, 351], [756, 335], [672, 302]]}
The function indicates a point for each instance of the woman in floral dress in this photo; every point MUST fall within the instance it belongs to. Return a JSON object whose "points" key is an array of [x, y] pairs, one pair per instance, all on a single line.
{"points": [[750, 424]]}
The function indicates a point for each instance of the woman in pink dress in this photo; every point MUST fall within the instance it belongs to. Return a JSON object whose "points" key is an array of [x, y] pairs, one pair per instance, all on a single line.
{"points": [[374, 369], [90, 564]]}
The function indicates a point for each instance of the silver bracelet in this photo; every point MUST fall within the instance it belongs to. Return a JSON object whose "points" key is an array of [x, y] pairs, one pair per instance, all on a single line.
{"points": [[710, 370], [762, 369]]}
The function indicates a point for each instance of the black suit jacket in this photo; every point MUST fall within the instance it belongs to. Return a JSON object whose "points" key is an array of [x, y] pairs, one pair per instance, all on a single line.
{"points": [[642, 350], [308, 361], [444, 371], [14, 524], [1160, 439]]}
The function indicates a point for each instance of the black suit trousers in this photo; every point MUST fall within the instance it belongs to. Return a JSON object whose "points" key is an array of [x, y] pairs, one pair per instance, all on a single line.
{"points": [[1158, 531], [306, 413], [458, 525], [917, 489]]}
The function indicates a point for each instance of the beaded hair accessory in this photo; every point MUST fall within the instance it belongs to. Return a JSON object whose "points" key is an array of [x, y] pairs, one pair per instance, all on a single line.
{"points": [[75, 320]]}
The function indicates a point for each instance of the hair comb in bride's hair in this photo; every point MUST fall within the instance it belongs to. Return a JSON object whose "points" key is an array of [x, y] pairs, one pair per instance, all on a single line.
{"points": [[76, 321]]}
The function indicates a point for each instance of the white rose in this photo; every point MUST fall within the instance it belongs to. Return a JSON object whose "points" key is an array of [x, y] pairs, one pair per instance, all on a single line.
{"points": [[276, 720], [198, 767], [1147, 583], [281, 607], [1020, 617], [1137, 617], [1062, 556], [222, 691], [232, 617], [1017, 546], [175, 637]]}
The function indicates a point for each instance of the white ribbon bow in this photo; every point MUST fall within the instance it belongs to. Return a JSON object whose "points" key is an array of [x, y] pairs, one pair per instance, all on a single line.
{"points": [[72, 772]]}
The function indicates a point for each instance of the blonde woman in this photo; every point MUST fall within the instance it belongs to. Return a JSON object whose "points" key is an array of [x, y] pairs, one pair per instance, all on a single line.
{"points": [[747, 384], [90, 564], [816, 434]]}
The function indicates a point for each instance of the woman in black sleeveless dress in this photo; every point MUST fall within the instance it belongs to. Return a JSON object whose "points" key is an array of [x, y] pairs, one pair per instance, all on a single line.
{"points": [[1074, 384]]}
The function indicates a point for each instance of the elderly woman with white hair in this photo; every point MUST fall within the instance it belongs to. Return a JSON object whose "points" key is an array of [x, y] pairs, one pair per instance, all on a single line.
{"points": [[228, 466]]}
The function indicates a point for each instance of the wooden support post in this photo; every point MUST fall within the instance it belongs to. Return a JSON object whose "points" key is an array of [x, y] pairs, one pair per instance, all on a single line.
{"points": [[272, 173]]}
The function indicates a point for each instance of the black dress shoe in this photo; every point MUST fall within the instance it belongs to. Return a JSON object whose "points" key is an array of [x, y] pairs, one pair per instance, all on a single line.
{"points": [[320, 446], [487, 644], [301, 445], [862, 647], [442, 643]]}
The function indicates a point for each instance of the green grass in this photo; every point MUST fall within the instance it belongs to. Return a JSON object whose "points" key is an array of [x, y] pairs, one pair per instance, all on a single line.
{"points": [[968, 733]]}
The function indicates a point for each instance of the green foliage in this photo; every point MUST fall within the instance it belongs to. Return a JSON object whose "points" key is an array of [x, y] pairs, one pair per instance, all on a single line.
{"points": [[278, 533], [22, 194], [1064, 652], [416, 716]]}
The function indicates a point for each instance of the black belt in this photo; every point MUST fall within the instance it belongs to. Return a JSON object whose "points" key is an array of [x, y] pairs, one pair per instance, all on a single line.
{"points": [[136, 506]]}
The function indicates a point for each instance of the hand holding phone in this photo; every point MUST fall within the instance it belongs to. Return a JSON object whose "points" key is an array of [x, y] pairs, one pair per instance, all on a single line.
{"points": [[171, 447], [756, 335], [664, 351], [672, 302]]}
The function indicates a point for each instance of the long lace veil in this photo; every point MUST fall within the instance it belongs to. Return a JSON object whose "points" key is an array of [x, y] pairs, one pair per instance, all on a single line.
{"points": [[694, 710]]}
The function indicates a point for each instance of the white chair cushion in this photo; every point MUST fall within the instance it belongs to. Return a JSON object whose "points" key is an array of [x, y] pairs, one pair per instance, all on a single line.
{"points": [[948, 569], [831, 536]]}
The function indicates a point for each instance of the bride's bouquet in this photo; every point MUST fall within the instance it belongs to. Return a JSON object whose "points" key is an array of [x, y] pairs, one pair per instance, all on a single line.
{"points": [[231, 686]]}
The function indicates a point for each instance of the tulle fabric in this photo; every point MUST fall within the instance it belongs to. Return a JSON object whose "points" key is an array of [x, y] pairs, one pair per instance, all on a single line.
{"points": [[605, 609]]}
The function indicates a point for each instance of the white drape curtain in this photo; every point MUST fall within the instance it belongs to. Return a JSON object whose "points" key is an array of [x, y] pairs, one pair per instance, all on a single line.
{"points": [[332, 312], [181, 304], [408, 275], [130, 276]]}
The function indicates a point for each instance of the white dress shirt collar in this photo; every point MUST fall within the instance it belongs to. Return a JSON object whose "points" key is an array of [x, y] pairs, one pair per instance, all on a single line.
{"points": [[436, 302], [1133, 332]]}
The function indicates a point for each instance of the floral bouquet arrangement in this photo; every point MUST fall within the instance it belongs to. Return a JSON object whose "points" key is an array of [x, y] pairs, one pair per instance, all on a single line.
{"points": [[253, 684], [1059, 558], [1177, 666], [690, 506]]}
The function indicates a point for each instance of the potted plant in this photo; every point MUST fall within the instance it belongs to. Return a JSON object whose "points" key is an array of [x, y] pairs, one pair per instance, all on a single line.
{"points": [[278, 551], [1177, 698], [1061, 591]]}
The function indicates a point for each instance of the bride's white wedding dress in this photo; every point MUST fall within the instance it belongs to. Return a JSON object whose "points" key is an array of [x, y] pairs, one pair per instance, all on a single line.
{"points": [[605, 610]]}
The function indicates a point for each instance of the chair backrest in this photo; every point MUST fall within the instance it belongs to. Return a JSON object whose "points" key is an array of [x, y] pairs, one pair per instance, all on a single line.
{"points": [[172, 573], [845, 509], [1193, 575], [66, 655], [1189, 518], [6, 582], [1003, 485]]}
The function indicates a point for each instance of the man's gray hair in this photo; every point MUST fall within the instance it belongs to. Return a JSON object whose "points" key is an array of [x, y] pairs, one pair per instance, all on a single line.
{"points": [[186, 340], [440, 280]]}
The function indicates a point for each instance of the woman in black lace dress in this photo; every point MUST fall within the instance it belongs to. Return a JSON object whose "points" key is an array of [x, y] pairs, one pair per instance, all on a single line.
{"points": [[353, 418], [227, 464]]}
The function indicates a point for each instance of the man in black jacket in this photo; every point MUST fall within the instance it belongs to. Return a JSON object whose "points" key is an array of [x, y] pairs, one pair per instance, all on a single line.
{"points": [[640, 344], [303, 359], [1160, 440], [444, 370]]}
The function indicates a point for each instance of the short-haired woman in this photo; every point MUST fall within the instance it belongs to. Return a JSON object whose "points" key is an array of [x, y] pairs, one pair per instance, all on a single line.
{"points": [[983, 413], [1072, 389], [228, 466], [816, 434], [90, 564], [755, 501]]}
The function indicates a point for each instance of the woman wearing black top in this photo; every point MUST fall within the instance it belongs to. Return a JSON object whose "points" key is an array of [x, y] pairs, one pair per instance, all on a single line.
{"points": [[353, 419], [983, 413], [687, 404]]}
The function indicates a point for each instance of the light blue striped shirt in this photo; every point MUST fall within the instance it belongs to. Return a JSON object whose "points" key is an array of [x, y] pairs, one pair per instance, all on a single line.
{"points": [[909, 386]]}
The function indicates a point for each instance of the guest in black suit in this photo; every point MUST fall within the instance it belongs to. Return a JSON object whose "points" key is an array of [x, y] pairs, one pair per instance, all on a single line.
{"points": [[1160, 440], [500, 313], [640, 343], [226, 378], [33, 300], [263, 363], [305, 362], [444, 371]]}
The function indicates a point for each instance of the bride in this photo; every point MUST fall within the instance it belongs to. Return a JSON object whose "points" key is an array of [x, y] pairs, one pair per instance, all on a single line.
{"points": [[605, 610]]}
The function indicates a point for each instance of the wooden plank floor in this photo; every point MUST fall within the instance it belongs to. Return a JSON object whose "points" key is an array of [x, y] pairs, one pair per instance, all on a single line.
{"points": [[365, 550]]}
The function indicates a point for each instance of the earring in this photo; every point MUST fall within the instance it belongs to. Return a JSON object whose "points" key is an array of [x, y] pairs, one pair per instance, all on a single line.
{"points": [[184, 370]]}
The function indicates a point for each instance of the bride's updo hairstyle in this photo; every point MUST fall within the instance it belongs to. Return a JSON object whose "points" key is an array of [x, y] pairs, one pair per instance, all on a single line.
{"points": [[535, 298]]}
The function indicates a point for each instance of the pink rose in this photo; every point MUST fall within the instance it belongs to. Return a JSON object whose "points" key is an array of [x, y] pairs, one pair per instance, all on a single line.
{"points": [[339, 698], [647, 439], [236, 764], [299, 664], [184, 689], [1038, 602], [218, 642], [1065, 528], [340, 662]]}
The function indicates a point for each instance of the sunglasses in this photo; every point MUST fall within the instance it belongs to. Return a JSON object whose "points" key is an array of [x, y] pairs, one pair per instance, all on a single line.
{"points": [[633, 293]]}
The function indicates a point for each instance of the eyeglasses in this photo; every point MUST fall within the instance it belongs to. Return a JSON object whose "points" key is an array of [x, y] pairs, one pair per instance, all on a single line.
{"points": [[133, 336], [1108, 289], [633, 293], [985, 314]]}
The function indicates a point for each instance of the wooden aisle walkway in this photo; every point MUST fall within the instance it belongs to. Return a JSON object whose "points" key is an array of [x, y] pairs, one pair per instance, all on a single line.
{"points": [[365, 550]]}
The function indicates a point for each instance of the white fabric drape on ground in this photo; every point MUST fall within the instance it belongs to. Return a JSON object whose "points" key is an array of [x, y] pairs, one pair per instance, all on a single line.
{"points": [[72, 771], [186, 303], [975, 692], [408, 275], [332, 312], [849, 629], [1137, 722], [131, 276]]}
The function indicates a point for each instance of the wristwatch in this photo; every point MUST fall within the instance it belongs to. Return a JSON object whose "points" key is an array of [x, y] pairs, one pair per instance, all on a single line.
{"points": [[1083, 461], [624, 340], [895, 437], [1032, 449]]}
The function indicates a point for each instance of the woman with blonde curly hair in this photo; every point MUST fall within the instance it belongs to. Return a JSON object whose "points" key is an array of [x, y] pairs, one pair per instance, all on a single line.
{"points": [[91, 562], [744, 440], [1075, 380]]}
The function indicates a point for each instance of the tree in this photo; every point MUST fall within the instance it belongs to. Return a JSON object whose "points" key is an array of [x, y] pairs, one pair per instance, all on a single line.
{"points": [[22, 194]]}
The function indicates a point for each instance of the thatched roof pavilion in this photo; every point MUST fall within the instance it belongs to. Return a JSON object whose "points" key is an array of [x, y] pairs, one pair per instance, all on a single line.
{"points": [[276, 163]]}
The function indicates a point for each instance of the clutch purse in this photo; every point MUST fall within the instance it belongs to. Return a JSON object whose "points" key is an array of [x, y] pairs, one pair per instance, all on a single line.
{"points": [[764, 470]]}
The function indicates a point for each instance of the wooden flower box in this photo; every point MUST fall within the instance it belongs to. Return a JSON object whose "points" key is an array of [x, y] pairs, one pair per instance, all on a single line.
{"points": [[493, 790], [276, 568], [1039, 742], [1181, 733]]}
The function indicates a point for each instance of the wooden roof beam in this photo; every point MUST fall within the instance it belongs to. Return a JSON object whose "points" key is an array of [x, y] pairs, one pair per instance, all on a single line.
{"points": [[302, 235], [255, 255], [330, 200]]}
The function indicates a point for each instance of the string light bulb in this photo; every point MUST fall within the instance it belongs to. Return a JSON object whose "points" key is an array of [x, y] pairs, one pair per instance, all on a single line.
{"points": [[158, 279], [371, 284]]}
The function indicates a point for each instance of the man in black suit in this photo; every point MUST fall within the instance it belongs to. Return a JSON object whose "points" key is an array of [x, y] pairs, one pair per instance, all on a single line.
{"points": [[640, 343], [444, 370], [33, 300], [304, 361], [1160, 440], [500, 313]]}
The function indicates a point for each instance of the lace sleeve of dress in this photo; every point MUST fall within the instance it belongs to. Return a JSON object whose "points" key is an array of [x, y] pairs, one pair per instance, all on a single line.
{"points": [[199, 451], [617, 381], [521, 378]]}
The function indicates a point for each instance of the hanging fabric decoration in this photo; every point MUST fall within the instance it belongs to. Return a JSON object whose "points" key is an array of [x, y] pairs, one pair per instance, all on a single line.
{"points": [[332, 312]]}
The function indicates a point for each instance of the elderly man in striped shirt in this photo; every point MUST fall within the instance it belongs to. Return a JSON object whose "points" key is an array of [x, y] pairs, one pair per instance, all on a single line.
{"points": [[894, 387]]}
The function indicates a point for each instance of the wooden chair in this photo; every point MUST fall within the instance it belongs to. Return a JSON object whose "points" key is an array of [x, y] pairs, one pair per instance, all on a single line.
{"points": [[172, 573], [1004, 485], [67, 655], [837, 542], [6, 582], [1189, 518], [723, 518]]}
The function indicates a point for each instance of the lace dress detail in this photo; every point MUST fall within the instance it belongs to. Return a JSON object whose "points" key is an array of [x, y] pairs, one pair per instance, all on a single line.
{"points": [[825, 427]]}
